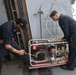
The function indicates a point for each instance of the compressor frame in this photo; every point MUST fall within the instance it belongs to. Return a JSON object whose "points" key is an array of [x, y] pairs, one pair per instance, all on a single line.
{"points": [[46, 62]]}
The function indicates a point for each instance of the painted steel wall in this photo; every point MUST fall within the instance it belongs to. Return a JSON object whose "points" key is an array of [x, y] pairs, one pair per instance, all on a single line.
{"points": [[38, 22], [3, 17]]}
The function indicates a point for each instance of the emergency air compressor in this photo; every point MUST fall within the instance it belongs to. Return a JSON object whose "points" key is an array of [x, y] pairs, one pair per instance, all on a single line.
{"points": [[46, 53]]}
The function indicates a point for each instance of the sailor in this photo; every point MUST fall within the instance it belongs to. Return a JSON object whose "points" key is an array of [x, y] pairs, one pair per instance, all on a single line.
{"points": [[68, 26], [8, 44]]}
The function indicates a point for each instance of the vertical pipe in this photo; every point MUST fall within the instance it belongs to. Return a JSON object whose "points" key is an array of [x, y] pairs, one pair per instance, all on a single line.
{"points": [[40, 12]]}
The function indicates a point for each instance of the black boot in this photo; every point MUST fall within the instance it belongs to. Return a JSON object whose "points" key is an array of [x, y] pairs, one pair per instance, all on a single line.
{"points": [[65, 67]]}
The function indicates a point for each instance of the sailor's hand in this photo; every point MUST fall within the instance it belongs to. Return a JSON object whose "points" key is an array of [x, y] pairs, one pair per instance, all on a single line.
{"points": [[21, 52], [64, 40]]}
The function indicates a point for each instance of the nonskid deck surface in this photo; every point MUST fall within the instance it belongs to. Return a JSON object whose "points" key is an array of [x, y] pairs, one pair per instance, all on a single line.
{"points": [[39, 71], [14, 68]]}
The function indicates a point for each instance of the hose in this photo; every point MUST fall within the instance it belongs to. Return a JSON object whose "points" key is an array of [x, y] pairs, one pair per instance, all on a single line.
{"points": [[47, 19]]}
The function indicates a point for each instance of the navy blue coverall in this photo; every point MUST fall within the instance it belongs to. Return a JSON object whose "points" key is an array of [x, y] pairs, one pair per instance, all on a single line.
{"points": [[68, 26], [6, 32]]}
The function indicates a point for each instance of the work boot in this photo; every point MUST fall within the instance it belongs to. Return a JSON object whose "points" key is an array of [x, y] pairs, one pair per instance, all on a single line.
{"points": [[65, 67]]}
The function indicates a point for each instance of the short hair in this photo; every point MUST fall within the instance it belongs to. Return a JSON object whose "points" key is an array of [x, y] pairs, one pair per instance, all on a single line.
{"points": [[53, 13], [21, 20]]}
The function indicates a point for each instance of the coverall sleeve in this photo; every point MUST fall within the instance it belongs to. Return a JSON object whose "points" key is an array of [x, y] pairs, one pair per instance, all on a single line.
{"points": [[66, 29], [7, 34]]}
